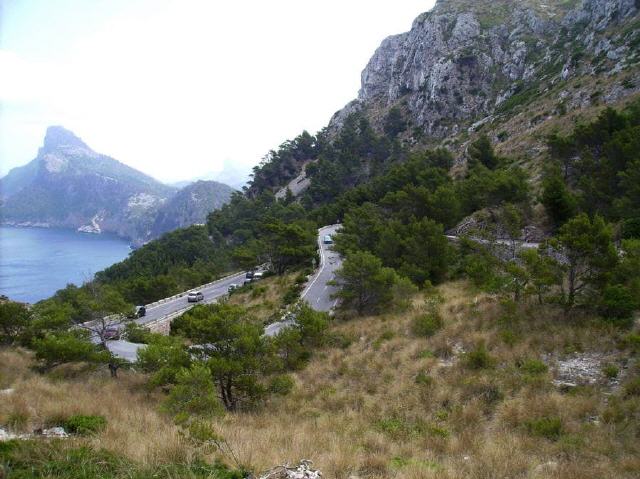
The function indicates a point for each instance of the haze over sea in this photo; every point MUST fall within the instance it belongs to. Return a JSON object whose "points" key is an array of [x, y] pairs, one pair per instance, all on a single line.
{"points": [[36, 262]]}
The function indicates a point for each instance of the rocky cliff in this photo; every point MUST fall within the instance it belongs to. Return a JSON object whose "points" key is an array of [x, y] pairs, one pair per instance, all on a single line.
{"points": [[68, 185], [467, 63]]}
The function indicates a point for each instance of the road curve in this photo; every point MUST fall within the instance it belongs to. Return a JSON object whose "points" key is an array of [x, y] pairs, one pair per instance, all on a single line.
{"points": [[318, 294]]}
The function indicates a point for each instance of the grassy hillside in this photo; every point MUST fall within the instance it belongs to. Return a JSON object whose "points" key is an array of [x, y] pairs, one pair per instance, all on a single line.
{"points": [[491, 390]]}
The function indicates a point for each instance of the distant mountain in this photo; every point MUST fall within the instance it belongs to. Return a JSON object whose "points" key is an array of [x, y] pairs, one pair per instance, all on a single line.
{"points": [[230, 174], [69, 185], [191, 205]]}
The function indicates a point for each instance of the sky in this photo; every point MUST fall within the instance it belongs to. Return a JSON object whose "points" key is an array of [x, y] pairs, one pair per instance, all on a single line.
{"points": [[178, 88]]}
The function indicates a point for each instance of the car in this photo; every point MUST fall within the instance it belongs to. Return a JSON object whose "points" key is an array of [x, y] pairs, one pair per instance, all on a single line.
{"points": [[258, 275], [327, 239], [233, 287], [141, 311], [111, 333], [249, 275], [195, 296]]}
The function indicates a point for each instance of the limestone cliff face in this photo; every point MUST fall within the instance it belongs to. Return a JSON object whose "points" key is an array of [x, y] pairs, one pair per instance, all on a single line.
{"points": [[464, 60]]}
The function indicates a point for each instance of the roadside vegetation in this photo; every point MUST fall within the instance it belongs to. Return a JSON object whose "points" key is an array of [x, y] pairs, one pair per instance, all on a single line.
{"points": [[471, 357], [460, 383]]}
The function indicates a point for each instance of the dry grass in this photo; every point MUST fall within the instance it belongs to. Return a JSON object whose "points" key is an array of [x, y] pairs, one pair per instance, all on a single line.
{"points": [[135, 429], [388, 404], [359, 410], [264, 298]]}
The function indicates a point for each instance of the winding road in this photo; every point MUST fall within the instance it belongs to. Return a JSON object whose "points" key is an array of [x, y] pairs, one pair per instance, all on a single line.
{"points": [[318, 294]]}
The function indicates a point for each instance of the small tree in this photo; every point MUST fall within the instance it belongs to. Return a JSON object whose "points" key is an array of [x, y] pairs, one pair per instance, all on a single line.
{"points": [[557, 199], [232, 346], [590, 253], [164, 357], [482, 152], [102, 306], [194, 393], [14, 320], [366, 285], [66, 347], [544, 273]]}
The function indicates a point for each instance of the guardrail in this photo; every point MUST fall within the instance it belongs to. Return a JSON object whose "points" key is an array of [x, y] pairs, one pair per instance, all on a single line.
{"points": [[180, 295]]}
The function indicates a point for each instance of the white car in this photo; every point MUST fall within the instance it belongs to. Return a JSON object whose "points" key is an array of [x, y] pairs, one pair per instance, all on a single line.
{"points": [[195, 296], [233, 287]]}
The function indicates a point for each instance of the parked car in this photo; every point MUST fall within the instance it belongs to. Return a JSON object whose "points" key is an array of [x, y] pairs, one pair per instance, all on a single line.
{"points": [[327, 239], [111, 333], [195, 296]]}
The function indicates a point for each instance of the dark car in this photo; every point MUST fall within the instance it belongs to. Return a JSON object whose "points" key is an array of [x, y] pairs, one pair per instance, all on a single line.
{"points": [[111, 333], [138, 312], [249, 275]]}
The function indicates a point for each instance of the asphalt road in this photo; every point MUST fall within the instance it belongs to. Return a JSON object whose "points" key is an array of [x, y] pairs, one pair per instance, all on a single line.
{"points": [[211, 293], [318, 293], [129, 351]]}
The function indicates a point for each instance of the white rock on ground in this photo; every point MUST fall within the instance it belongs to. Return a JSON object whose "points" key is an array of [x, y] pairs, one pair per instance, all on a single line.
{"points": [[301, 471]]}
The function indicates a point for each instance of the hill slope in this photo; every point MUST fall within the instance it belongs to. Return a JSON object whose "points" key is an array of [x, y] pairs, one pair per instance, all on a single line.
{"points": [[512, 70], [191, 205]]}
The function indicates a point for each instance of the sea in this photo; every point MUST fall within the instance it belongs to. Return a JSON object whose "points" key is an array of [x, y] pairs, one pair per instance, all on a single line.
{"points": [[36, 262]]}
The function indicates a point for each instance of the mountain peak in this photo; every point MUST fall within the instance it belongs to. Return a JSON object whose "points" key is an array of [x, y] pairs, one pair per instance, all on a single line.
{"points": [[57, 136]]}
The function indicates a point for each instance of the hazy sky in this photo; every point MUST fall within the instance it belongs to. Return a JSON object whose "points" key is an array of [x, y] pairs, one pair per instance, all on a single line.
{"points": [[174, 88]]}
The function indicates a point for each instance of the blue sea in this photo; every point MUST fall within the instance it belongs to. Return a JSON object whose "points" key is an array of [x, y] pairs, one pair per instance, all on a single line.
{"points": [[36, 262]]}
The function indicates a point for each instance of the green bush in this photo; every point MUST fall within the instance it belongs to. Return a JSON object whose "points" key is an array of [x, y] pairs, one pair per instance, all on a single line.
{"points": [[632, 388], [194, 393], [136, 333], [479, 358], [81, 424], [617, 305], [534, 366], [610, 371], [424, 379], [547, 427], [281, 385], [426, 325]]}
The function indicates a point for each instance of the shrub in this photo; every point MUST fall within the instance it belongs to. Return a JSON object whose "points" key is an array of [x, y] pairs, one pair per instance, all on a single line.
{"points": [[281, 385], [547, 427], [194, 393], [610, 371], [534, 366], [631, 341], [479, 358], [424, 379], [426, 325], [80, 424], [617, 305], [136, 333], [293, 294], [632, 388]]}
